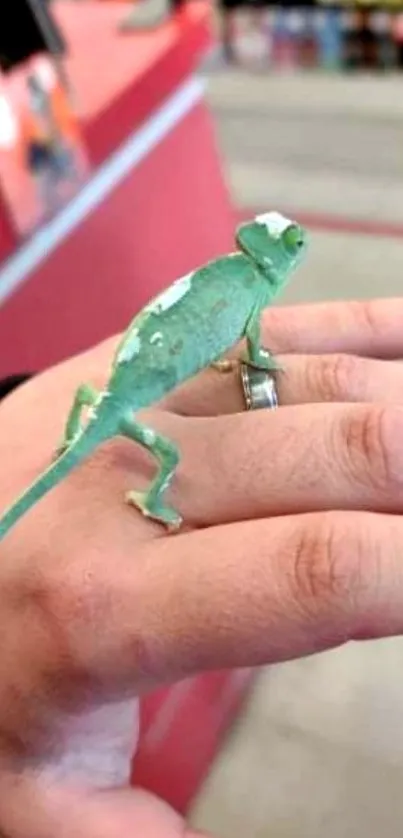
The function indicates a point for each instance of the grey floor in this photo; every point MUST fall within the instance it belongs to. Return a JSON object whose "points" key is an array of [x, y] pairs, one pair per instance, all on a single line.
{"points": [[318, 750]]}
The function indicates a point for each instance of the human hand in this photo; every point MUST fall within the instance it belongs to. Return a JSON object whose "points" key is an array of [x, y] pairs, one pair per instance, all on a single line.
{"points": [[292, 545]]}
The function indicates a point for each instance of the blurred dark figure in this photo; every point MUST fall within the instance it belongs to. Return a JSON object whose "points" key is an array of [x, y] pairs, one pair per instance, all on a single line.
{"points": [[7, 385], [360, 42], [27, 28], [397, 30], [368, 41], [48, 156]]}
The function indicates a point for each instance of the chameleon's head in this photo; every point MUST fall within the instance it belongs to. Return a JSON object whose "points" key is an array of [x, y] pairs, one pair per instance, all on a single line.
{"points": [[275, 244]]}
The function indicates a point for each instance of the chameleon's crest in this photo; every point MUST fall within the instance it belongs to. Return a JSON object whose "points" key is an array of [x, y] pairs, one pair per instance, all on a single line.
{"points": [[274, 243]]}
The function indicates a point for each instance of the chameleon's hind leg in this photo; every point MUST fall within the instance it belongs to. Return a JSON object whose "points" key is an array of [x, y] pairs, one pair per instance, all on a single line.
{"points": [[86, 396], [150, 503]]}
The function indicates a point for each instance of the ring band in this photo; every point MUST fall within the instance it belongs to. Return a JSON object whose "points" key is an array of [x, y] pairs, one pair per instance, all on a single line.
{"points": [[259, 388]]}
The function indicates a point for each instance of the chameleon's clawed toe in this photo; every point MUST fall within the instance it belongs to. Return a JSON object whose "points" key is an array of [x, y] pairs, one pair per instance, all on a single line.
{"points": [[226, 365], [154, 511]]}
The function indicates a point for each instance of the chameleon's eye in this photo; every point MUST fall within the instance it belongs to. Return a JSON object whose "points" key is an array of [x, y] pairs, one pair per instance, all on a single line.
{"points": [[293, 238]]}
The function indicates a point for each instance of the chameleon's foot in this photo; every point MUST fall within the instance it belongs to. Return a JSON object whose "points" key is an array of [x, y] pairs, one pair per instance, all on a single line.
{"points": [[227, 365], [155, 511]]}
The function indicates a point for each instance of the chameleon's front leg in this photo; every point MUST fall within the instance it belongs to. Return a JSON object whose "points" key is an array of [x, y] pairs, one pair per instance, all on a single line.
{"points": [[86, 396], [256, 355], [150, 503]]}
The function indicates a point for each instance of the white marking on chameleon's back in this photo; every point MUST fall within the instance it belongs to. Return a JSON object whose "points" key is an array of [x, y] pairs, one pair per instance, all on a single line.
{"points": [[274, 222], [157, 338], [132, 343], [130, 347], [171, 295]]}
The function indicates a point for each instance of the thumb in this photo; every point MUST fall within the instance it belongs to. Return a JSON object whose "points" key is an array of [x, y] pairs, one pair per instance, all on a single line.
{"points": [[61, 813]]}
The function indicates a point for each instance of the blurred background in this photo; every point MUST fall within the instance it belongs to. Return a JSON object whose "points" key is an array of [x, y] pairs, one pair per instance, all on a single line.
{"points": [[150, 128], [308, 109]]}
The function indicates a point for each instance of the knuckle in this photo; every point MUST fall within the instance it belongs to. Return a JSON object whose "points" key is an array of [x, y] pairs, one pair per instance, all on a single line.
{"points": [[315, 569], [332, 377], [44, 671], [326, 573], [366, 452], [60, 607]]}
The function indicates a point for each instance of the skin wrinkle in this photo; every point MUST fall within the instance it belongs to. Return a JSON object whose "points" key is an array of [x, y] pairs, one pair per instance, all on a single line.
{"points": [[362, 439], [334, 378], [329, 580], [317, 575]]}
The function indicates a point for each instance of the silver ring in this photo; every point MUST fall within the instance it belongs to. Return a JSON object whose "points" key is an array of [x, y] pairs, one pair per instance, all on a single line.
{"points": [[259, 388]]}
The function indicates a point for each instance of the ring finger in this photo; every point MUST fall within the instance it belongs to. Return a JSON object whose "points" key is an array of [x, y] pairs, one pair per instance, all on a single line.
{"points": [[304, 379]]}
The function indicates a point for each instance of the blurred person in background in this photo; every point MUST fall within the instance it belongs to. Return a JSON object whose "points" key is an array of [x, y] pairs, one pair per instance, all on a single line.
{"points": [[228, 11], [150, 14], [47, 132]]}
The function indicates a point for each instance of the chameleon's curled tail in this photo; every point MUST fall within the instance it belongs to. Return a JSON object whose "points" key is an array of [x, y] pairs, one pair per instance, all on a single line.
{"points": [[60, 468]]}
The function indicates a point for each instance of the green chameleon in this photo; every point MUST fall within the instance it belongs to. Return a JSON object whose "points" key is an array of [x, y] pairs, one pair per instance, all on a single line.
{"points": [[186, 328]]}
